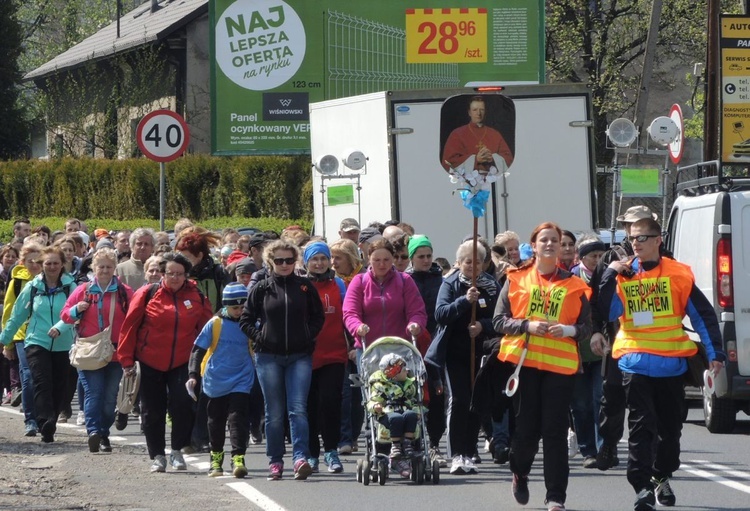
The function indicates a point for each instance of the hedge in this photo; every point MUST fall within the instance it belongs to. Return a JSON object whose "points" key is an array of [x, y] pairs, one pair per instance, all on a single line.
{"points": [[111, 224], [199, 187]]}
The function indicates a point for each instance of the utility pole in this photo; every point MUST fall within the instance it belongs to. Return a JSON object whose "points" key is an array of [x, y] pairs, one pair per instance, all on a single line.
{"points": [[711, 119], [641, 102]]}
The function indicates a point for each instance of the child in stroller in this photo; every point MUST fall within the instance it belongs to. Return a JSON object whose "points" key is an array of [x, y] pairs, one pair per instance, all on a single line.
{"points": [[393, 399]]}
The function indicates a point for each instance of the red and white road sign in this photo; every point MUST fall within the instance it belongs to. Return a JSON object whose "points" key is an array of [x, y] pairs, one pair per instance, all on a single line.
{"points": [[163, 135], [676, 147]]}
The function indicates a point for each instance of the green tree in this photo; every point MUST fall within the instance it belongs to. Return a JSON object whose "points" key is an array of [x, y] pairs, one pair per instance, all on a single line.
{"points": [[13, 129], [602, 42]]}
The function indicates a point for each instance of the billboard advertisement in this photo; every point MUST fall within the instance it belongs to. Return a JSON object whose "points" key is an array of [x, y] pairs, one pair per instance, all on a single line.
{"points": [[735, 89], [271, 58]]}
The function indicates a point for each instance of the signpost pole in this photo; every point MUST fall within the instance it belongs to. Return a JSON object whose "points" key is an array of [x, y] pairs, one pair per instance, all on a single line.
{"points": [[162, 192]]}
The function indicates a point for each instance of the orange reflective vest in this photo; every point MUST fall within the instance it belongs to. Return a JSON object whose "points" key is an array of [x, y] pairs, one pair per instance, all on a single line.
{"points": [[654, 304], [540, 300]]}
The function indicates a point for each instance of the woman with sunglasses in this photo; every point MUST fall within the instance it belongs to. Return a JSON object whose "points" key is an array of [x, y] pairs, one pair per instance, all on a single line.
{"points": [[159, 330], [283, 315], [48, 338]]}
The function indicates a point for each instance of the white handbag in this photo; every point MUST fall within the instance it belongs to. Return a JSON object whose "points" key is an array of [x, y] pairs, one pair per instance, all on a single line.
{"points": [[95, 352]]}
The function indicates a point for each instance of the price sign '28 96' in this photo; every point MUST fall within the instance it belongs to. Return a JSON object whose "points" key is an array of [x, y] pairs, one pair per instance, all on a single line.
{"points": [[446, 36]]}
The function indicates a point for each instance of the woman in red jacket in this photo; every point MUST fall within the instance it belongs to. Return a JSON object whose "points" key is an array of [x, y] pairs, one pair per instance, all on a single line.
{"points": [[159, 330], [93, 305], [329, 360]]}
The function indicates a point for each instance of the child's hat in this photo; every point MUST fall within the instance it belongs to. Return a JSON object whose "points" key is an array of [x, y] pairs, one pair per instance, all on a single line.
{"points": [[234, 294]]}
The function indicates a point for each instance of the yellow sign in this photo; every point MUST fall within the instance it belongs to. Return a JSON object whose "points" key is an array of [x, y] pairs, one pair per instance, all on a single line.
{"points": [[654, 295], [546, 303], [735, 84], [446, 36]]}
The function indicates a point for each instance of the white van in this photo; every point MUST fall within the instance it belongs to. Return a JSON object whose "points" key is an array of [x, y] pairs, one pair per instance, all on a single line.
{"points": [[709, 229]]}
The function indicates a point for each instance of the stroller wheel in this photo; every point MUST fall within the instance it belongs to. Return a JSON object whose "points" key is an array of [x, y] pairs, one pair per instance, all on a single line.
{"points": [[435, 472], [383, 469], [419, 476], [359, 471], [366, 474], [427, 470]]}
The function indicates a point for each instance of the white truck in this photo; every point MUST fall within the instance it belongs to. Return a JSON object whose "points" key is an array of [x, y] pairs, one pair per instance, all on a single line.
{"points": [[552, 176], [709, 229]]}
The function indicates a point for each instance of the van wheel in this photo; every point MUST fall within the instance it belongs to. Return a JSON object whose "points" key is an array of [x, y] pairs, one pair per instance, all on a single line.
{"points": [[720, 414]]}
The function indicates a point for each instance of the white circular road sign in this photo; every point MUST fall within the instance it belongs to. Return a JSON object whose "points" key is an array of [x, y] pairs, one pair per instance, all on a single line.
{"points": [[678, 145], [163, 135]]}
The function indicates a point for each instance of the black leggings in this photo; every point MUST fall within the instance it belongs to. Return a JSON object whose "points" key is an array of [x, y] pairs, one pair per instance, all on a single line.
{"points": [[324, 407]]}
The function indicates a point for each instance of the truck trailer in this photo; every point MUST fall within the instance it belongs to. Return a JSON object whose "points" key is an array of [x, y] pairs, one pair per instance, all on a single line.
{"points": [[395, 138]]}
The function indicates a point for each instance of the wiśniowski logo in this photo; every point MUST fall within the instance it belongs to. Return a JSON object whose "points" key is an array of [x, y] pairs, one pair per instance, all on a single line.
{"points": [[286, 106]]}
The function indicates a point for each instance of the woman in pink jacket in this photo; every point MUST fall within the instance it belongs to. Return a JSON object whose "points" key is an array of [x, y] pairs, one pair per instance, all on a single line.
{"points": [[383, 301], [90, 305]]}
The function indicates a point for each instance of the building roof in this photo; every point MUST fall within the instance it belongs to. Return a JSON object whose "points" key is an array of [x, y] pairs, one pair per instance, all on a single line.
{"points": [[137, 28]]}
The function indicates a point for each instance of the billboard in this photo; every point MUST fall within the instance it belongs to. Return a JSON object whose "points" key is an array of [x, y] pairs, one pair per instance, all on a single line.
{"points": [[735, 85], [271, 58]]}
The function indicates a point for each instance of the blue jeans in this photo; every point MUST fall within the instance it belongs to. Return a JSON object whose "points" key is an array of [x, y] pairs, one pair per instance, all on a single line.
{"points": [[285, 381], [100, 389], [27, 385], [587, 398]]}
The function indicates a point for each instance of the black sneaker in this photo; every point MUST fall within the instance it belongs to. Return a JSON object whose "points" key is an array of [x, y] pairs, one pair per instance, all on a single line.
{"points": [[104, 445], [606, 458], [121, 421], [501, 455], [94, 442], [476, 459], [48, 432], [645, 501], [520, 489], [663, 491]]}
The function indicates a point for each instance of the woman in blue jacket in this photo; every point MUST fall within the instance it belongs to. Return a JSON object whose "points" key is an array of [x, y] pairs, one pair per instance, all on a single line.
{"points": [[48, 338]]}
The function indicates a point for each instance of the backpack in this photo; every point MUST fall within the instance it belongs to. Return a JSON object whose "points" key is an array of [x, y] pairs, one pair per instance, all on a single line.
{"points": [[215, 333], [152, 288], [122, 296], [34, 291]]}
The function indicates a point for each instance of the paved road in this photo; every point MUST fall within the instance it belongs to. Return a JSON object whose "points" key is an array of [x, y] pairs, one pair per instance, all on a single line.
{"points": [[715, 476]]}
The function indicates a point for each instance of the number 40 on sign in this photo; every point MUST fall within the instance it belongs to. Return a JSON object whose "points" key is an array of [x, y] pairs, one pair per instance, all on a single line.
{"points": [[163, 135]]}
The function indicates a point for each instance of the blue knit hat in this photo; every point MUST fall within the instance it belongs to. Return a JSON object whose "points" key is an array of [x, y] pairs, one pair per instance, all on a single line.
{"points": [[315, 248], [234, 294]]}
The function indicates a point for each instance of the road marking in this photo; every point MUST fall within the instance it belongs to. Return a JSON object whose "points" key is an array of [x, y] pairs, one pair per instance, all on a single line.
{"points": [[716, 477], [728, 470], [255, 496]]}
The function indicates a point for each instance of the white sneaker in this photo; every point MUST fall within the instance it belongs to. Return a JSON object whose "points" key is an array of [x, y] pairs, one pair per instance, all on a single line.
{"points": [[81, 419], [487, 445], [457, 465], [469, 466], [159, 464], [572, 444], [176, 461]]}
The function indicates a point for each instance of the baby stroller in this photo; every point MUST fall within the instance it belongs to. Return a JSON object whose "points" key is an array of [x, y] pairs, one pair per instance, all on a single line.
{"points": [[375, 466]]}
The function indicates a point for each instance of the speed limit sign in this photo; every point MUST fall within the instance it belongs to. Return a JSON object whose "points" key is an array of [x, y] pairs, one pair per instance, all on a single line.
{"points": [[163, 135]]}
